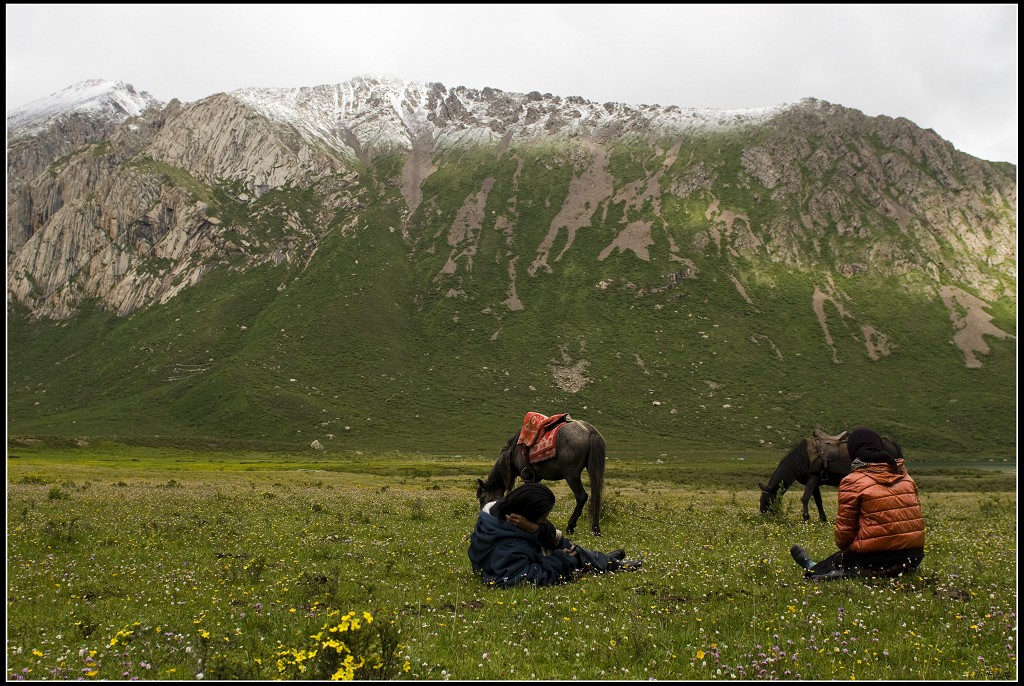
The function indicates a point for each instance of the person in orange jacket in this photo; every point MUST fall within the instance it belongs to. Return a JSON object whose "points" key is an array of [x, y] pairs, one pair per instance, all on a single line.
{"points": [[879, 524]]}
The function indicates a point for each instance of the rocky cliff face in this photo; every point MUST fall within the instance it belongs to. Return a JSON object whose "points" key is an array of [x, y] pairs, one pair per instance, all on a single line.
{"points": [[130, 204], [50, 129]]}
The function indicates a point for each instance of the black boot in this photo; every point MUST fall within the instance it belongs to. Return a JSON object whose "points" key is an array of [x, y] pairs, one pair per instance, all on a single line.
{"points": [[617, 562], [801, 557], [624, 565]]}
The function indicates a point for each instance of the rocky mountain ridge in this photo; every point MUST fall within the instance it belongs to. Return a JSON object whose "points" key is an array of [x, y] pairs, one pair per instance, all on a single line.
{"points": [[273, 138], [768, 237], [49, 128]]}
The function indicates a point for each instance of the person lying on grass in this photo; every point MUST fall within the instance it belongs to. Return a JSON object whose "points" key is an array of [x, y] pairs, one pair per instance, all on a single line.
{"points": [[514, 543]]}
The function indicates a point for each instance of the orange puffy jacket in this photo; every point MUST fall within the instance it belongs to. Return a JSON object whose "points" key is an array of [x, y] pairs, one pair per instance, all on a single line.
{"points": [[879, 510]]}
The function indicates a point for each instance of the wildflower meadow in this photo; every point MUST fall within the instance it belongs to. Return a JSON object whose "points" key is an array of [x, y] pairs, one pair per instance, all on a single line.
{"points": [[142, 563]]}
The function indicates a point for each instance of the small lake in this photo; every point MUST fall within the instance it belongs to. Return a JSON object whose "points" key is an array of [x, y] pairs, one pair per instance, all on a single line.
{"points": [[981, 466]]}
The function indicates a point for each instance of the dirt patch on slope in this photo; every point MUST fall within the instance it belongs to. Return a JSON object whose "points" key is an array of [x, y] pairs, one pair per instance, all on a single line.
{"points": [[587, 191], [819, 299], [877, 342], [971, 323], [636, 237]]}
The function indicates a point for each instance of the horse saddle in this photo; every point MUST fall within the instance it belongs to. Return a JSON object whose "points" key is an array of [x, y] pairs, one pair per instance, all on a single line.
{"points": [[537, 437], [824, 449]]}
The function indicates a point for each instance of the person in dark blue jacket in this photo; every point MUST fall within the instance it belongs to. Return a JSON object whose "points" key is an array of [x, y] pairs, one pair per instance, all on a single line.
{"points": [[514, 543]]}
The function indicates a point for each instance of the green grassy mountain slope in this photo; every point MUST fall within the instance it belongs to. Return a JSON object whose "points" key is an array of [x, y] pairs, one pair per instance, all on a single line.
{"points": [[677, 295]]}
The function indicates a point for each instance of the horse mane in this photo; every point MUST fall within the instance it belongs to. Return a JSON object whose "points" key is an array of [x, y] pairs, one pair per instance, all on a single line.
{"points": [[501, 473], [791, 467]]}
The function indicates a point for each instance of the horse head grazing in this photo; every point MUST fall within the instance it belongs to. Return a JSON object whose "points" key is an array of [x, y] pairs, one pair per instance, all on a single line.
{"points": [[768, 498], [501, 479], [789, 470], [486, 494]]}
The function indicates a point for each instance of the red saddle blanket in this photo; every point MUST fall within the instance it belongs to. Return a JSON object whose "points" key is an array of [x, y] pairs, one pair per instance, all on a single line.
{"points": [[539, 433]]}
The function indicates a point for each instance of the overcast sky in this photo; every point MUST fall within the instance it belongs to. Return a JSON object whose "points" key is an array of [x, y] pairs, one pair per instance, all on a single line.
{"points": [[951, 68]]}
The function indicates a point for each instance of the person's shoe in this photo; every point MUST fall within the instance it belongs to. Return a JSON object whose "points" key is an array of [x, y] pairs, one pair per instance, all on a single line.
{"points": [[618, 554], [830, 575], [801, 557], [623, 565], [628, 565]]}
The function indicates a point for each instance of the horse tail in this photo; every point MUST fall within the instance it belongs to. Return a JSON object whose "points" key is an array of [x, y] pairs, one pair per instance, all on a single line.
{"points": [[595, 468]]}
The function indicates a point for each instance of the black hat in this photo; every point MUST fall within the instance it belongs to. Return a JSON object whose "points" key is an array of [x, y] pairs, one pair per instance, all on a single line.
{"points": [[866, 445], [532, 501]]}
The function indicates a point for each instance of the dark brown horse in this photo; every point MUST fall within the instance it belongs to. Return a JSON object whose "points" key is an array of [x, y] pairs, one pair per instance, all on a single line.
{"points": [[819, 460], [578, 446]]}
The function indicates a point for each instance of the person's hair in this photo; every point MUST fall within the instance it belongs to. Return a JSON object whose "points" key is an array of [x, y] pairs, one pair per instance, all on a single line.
{"points": [[867, 446], [532, 501]]}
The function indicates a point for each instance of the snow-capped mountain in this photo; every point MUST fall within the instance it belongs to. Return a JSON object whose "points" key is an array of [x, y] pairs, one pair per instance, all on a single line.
{"points": [[824, 172], [114, 101], [265, 234], [373, 111], [383, 110]]}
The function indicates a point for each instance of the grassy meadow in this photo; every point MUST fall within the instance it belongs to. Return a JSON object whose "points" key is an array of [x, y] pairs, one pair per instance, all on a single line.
{"points": [[149, 563]]}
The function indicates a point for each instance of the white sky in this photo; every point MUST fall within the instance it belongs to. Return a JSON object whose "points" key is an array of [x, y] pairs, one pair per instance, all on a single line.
{"points": [[951, 68]]}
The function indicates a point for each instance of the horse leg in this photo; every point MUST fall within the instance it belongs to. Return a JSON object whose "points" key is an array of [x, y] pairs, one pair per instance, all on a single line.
{"points": [[817, 501], [576, 484], [810, 489]]}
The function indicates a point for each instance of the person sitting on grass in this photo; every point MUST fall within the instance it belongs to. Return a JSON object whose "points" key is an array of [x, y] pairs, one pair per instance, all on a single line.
{"points": [[879, 526], [513, 543]]}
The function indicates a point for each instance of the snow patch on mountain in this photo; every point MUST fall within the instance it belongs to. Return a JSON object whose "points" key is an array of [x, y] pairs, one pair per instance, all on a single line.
{"points": [[383, 110], [374, 111], [380, 111], [113, 100]]}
